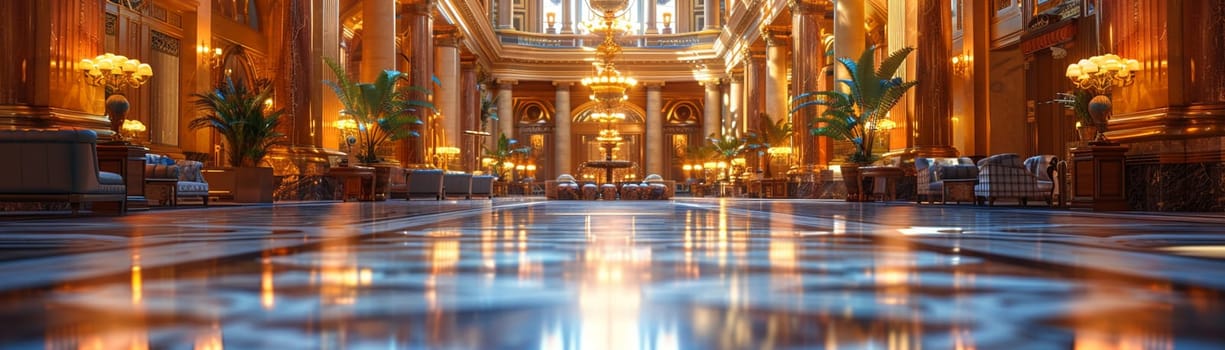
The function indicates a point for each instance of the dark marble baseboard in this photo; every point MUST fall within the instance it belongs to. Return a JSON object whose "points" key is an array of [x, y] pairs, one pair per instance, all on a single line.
{"points": [[1186, 187]]}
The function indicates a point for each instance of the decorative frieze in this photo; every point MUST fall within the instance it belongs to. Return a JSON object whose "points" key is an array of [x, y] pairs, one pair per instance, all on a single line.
{"points": [[164, 43]]}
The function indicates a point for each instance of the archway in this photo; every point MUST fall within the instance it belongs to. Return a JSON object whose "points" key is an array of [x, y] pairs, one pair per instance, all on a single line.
{"points": [[584, 131]]}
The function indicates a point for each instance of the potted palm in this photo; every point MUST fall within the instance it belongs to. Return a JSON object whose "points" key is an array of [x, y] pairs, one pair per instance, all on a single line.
{"points": [[501, 153], [383, 111], [241, 115], [727, 147], [853, 115], [769, 134]]}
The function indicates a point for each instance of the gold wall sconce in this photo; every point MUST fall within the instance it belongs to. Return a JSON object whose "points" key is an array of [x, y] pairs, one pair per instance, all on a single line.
{"points": [[961, 63]]}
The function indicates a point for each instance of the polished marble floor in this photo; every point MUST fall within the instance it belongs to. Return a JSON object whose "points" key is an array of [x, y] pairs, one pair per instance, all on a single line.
{"points": [[685, 274]]}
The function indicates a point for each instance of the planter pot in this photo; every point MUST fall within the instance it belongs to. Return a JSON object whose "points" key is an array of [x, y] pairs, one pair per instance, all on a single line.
{"points": [[851, 176], [245, 185], [382, 180]]}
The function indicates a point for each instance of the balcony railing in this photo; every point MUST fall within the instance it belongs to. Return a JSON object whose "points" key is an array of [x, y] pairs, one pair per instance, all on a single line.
{"points": [[574, 41]]}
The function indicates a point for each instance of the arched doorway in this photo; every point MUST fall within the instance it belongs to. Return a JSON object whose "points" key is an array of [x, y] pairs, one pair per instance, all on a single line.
{"points": [[584, 130]]}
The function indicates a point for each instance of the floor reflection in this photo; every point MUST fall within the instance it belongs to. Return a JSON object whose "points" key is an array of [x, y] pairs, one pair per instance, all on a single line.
{"points": [[646, 275]]}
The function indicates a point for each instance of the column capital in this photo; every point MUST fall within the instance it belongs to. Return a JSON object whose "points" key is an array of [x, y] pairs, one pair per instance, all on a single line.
{"points": [[776, 35], [566, 84], [735, 75], [506, 83], [419, 7], [711, 82], [447, 35], [753, 53], [808, 7], [653, 85]]}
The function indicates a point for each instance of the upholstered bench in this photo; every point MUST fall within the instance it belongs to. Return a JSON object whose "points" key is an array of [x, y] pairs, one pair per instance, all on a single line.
{"points": [[482, 186], [457, 184], [56, 166], [425, 182]]}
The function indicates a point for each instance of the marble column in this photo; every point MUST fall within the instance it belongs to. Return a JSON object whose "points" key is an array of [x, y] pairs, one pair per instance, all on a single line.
{"points": [[776, 73], [561, 128], [567, 27], [655, 129], [933, 115], [506, 120], [754, 88], [734, 124], [712, 109], [378, 38], [710, 12], [850, 36], [808, 60], [505, 11], [652, 7], [469, 110], [446, 67], [419, 15]]}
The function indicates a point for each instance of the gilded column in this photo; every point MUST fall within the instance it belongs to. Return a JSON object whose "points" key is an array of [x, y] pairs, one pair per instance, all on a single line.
{"points": [[652, 6], [506, 120], [655, 129], [849, 33], [561, 128], [505, 10], [734, 122], [933, 113], [710, 11], [711, 113], [469, 107], [325, 106], [567, 26], [421, 60], [754, 88], [776, 73], [378, 37], [808, 60], [446, 67]]}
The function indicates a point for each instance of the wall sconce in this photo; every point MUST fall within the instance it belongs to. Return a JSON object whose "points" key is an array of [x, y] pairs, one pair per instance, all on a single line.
{"points": [[667, 23], [550, 18], [211, 55], [961, 63]]}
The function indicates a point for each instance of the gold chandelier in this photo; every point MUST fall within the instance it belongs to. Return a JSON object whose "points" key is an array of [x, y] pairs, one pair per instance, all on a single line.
{"points": [[608, 86]]}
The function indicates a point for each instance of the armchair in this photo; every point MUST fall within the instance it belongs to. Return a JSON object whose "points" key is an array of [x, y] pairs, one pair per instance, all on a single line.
{"points": [[1005, 176], [59, 166], [930, 174]]}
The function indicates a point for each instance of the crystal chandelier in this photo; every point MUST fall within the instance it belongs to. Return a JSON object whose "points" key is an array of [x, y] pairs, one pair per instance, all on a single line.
{"points": [[608, 86]]}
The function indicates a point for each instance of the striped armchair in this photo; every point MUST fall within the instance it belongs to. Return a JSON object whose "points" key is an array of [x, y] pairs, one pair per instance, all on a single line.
{"points": [[1037, 165], [1005, 176], [930, 171]]}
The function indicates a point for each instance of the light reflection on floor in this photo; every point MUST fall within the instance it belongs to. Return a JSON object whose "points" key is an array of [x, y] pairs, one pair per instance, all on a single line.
{"points": [[688, 274]]}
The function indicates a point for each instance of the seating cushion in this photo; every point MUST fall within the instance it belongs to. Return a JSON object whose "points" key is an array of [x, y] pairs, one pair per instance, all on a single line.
{"points": [[955, 172], [1003, 159], [192, 187], [110, 183], [189, 170], [109, 178]]}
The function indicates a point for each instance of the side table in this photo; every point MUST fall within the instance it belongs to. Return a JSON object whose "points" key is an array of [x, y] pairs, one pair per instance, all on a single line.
{"points": [[958, 190], [163, 190], [354, 180]]}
